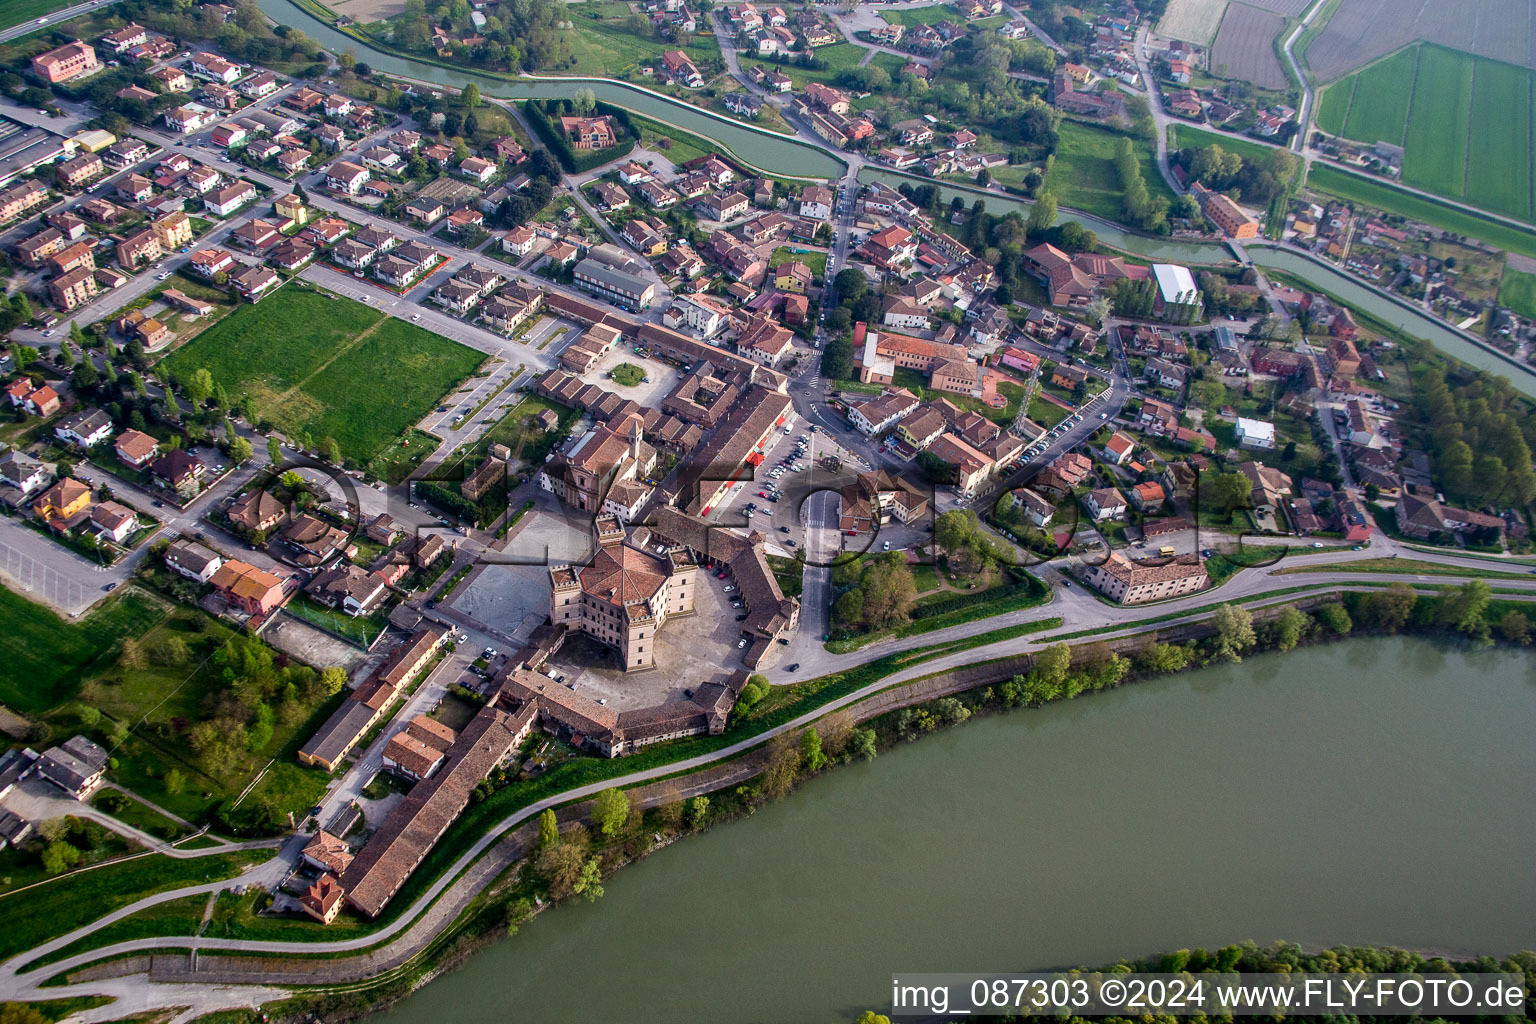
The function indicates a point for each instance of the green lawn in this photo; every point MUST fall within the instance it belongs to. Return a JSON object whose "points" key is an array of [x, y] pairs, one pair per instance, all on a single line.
{"points": [[173, 917], [1186, 137], [627, 375], [1518, 291], [1464, 121], [326, 365], [922, 15], [45, 657], [1385, 196], [679, 146], [604, 45], [161, 700], [403, 455], [34, 916], [817, 261], [1083, 175]]}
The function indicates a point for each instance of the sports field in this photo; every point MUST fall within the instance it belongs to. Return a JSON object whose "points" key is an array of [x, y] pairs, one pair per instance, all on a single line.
{"points": [[319, 363], [1464, 123]]}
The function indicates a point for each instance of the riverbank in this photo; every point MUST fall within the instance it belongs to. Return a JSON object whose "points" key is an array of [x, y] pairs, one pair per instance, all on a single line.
{"points": [[981, 694]]}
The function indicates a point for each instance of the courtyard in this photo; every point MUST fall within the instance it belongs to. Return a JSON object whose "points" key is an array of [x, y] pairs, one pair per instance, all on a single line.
{"points": [[690, 650]]}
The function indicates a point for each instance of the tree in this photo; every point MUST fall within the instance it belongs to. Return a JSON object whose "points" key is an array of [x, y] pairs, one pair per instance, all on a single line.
{"points": [[559, 867], [470, 95], [1387, 611], [862, 744], [590, 881], [1234, 631], [889, 591], [549, 829], [1515, 627], [1289, 626], [58, 857], [811, 757], [175, 781], [837, 360], [1336, 617], [849, 607], [783, 767], [610, 811], [66, 354], [698, 811], [1226, 491], [851, 284], [274, 451], [1043, 214], [23, 307], [198, 387], [240, 450], [332, 679], [1465, 608], [332, 451]]}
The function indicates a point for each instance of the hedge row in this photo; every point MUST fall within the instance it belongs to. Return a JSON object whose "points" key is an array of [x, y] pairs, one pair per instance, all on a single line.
{"points": [[540, 113]]}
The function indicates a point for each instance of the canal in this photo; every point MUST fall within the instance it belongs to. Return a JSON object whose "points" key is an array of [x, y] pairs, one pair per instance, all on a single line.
{"points": [[777, 154], [766, 150], [1374, 791]]}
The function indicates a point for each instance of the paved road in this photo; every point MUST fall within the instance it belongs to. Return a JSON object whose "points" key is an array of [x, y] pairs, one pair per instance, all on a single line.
{"points": [[39, 24]]}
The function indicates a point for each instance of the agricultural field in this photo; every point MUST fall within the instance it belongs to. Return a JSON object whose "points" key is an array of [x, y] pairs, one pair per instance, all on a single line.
{"points": [[1193, 20], [319, 364], [1245, 47], [1361, 31], [1437, 103], [1083, 174], [1383, 195], [1518, 291], [838, 57]]}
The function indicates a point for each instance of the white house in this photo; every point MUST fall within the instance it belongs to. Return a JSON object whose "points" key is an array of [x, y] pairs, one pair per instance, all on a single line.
{"points": [[86, 428], [1254, 433]]}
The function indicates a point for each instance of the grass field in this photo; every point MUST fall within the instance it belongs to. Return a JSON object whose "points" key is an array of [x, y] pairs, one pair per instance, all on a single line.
{"points": [[1385, 196], [604, 45], [817, 261], [45, 657], [920, 16], [1187, 137], [14, 12], [329, 366], [1083, 175], [1518, 291], [1464, 122], [838, 57], [62, 906]]}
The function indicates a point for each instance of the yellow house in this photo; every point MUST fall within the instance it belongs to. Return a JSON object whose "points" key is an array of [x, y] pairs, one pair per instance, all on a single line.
{"points": [[63, 500], [290, 208], [793, 277], [173, 231]]}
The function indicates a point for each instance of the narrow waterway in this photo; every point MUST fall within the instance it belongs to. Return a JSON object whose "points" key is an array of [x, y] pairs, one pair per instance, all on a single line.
{"points": [[1377, 791], [773, 153]]}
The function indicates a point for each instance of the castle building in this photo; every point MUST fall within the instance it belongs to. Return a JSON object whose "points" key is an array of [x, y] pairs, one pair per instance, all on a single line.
{"points": [[625, 595]]}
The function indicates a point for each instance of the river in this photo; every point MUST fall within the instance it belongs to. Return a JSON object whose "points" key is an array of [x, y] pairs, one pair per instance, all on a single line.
{"points": [[1375, 791]]}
